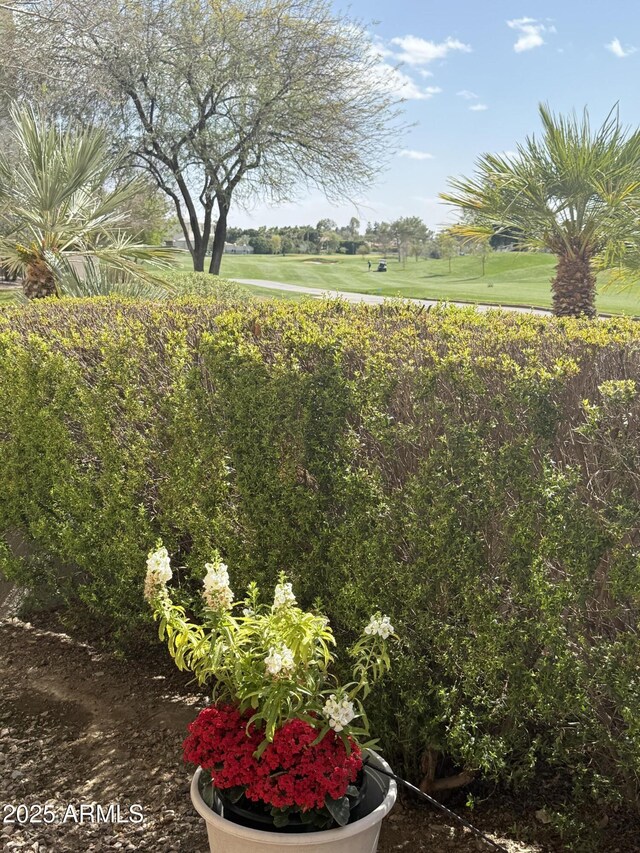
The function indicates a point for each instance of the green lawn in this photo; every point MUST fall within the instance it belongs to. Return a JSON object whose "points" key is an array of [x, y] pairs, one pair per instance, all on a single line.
{"points": [[511, 278], [270, 293]]}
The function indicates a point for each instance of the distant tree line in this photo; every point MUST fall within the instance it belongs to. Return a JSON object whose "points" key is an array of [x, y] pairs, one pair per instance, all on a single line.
{"points": [[407, 237], [324, 237], [402, 239]]}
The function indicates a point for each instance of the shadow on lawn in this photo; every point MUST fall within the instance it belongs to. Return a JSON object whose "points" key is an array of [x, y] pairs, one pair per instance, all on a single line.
{"points": [[454, 280]]}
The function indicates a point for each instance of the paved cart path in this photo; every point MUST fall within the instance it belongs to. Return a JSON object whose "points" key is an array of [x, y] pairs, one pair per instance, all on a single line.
{"points": [[374, 299]]}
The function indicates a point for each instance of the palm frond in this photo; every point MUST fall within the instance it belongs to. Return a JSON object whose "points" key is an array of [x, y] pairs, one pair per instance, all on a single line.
{"points": [[86, 276], [60, 203], [574, 190]]}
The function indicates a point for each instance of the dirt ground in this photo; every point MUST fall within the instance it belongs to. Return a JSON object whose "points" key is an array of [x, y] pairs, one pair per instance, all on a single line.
{"points": [[78, 727]]}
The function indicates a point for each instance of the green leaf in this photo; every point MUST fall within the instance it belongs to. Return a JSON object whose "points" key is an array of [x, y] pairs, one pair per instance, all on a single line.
{"points": [[339, 810], [235, 793], [208, 794]]}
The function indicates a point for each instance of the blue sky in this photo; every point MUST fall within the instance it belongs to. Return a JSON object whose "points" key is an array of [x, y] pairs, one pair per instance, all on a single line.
{"points": [[473, 75]]}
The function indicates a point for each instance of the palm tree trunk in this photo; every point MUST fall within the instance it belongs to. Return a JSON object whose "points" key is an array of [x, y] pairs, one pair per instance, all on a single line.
{"points": [[574, 288], [38, 281]]}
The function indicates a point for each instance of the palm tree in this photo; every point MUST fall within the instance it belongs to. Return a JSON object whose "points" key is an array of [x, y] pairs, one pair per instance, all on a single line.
{"points": [[573, 192], [61, 218]]}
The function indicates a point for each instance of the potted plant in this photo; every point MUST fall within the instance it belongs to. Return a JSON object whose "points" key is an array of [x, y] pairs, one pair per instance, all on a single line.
{"points": [[282, 750]]}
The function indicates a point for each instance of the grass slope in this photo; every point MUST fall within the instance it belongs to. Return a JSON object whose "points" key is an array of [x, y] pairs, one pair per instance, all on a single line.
{"points": [[511, 278]]}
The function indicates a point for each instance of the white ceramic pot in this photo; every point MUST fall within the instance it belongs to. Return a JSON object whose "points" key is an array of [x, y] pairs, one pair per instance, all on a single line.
{"points": [[361, 836]]}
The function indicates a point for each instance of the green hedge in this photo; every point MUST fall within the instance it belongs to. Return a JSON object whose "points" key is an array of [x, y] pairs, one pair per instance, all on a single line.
{"points": [[475, 476]]}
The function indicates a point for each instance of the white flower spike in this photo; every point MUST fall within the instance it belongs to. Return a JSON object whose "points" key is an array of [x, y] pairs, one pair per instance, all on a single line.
{"points": [[339, 712], [283, 596], [279, 660], [380, 625], [217, 592], [158, 573]]}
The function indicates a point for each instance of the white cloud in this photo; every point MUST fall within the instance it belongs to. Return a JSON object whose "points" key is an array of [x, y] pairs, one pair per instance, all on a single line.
{"points": [[396, 82], [413, 52], [416, 155], [531, 33], [379, 48], [418, 51], [618, 50], [471, 96]]}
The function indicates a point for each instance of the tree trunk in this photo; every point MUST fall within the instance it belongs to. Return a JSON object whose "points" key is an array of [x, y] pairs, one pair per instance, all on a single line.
{"points": [[198, 255], [201, 243], [574, 288], [219, 238], [38, 281]]}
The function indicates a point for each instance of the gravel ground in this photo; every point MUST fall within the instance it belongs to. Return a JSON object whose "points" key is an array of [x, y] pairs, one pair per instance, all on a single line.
{"points": [[78, 728]]}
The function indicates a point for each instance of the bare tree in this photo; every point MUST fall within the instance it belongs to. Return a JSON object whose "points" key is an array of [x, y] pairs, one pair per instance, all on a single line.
{"points": [[221, 101]]}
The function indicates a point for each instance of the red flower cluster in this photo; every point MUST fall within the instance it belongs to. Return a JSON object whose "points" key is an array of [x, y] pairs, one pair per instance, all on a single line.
{"points": [[219, 743], [291, 772]]}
